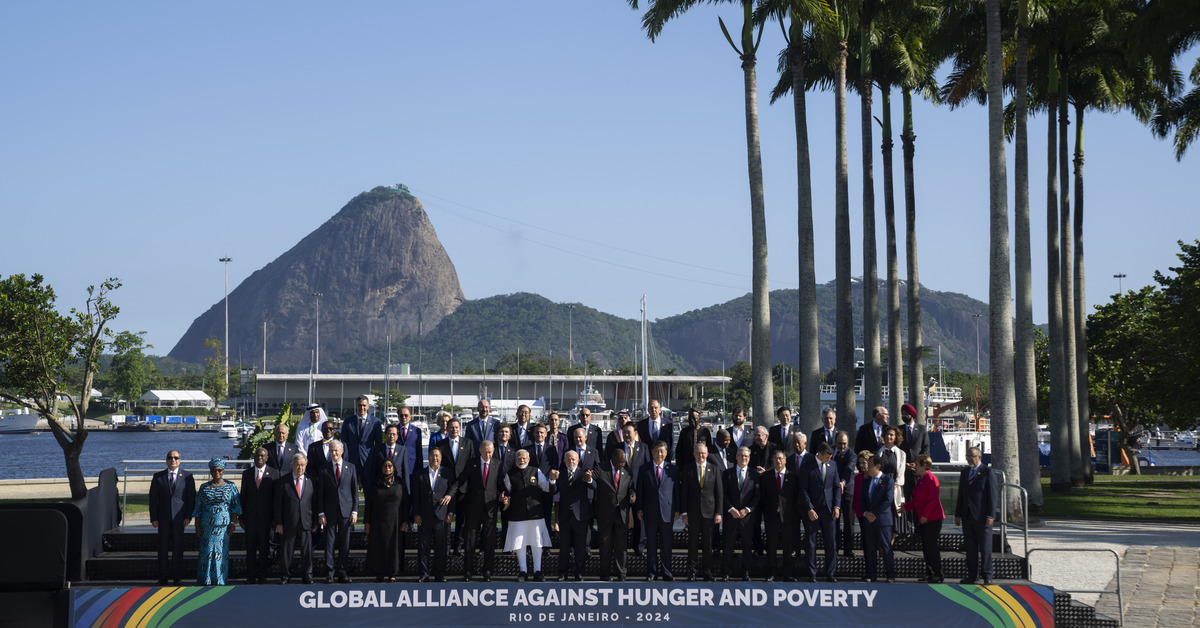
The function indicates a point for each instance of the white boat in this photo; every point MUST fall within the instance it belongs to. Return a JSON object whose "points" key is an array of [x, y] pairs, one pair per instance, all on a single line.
{"points": [[18, 423], [228, 429]]}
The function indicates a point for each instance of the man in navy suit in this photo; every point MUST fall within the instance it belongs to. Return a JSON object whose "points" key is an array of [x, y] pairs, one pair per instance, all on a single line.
{"points": [[827, 433], [433, 488], [294, 520], [781, 432], [614, 490], [594, 436], [741, 511], [821, 502], [877, 511], [280, 452], [522, 434], [337, 511], [653, 428], [483, 427], [318, 451], [389, 449], [847, 465], [258, 507], [975, 511], [456, 459], [777, 500], [740, 434], [172, 500], [589, 457], [701, 500], [409, 438], [657, 510], [574, 486], [543, 454], [480, 491], [361, 434]]}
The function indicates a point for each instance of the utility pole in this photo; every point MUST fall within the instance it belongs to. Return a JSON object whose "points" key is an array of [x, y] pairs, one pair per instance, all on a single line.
{"points": [[977, 317], [1119, 277], [318, 362], [571, 336], [225, 260]]}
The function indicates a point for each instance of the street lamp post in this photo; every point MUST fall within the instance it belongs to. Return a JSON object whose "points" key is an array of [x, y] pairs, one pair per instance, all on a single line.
{"points": [[977, 317], [318, 295], [225, 260], [1119, 277], [571, 335]]}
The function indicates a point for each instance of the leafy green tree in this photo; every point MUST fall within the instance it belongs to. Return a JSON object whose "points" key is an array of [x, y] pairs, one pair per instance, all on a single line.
{"points": [[214, 371], [129, 367], [38, 344]]}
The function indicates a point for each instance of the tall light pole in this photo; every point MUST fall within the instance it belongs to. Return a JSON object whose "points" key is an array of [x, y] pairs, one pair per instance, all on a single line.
{"points": [[1119, 277], [977, 317], [318, 295], [571, 335], [225, 260]]}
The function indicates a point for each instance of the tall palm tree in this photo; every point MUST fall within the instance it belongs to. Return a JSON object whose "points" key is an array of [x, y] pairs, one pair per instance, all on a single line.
{"points": [[844, 310], [871, 376], [1005, 455], [658, 12], [1164, 31]]}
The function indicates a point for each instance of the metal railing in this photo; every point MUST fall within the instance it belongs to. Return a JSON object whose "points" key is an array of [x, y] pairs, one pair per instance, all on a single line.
{"points": [[147, 469], [1116, 556]]}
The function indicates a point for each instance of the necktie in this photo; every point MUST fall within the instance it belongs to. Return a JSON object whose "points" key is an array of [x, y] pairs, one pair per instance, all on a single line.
{"points": [[616, 478], [822, 473], [741, 477], [655, 434], [391, 452], [970, 477], [701, 476], [829, 436], [779, 479], [454, 449], [299, 486], [280, 454], [909, 436], [537, 452], [485, 472], [570, 474], [628, 452], [658, 474], [337, 470], [258, 478], [173, 480]]}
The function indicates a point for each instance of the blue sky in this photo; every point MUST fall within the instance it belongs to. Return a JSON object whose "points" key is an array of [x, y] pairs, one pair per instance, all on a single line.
{"points": [[555, 148]]}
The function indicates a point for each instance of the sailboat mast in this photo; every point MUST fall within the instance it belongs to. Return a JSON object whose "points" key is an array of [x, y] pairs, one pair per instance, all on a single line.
{"points": [[645, 376]]}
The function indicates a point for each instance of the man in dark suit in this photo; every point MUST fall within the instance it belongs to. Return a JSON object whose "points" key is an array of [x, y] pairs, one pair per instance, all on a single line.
{"points": [[657, 509], [337, 511], [258, 508], [762, 450], [741, 511], [456, 459], [614, 490], [702, 498], [389, 449], [616, 438], [975, 511], [294, 519], [847, 465], [595, 436], [781, 432], [653, 428], [574, 486], [798, 456], [723, 453], [433, 489], [826, 433], [172, 500], [505, 447], [544, 455], [360, 435], [690, 435], [777, 493], [318, 451], [915, 442], [482, 428], [870, 434], [637, 455], [522, 434], [589, 457], [740, 434], [409, 438], [280, 452], [480, 488], [877, 512], [821, 505]]}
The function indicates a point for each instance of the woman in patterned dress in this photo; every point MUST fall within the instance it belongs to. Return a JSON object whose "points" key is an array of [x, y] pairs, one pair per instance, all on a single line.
{"points": [[217, 503]]}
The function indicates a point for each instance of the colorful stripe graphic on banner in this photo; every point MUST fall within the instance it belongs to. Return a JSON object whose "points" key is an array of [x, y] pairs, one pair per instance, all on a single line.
{"points": [[999, 607], [142, 607]]}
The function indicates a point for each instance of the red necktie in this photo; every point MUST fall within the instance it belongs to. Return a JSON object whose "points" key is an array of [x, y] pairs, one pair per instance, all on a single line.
{"points": [[485, 472], [616, 478], [391, 453], [337, 470], [658, 474], [779, 477], [299, 486]]}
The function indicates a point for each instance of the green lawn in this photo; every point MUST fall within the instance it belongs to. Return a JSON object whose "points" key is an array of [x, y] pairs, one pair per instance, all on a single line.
{"points": [[1131, 497], [136, 503]]}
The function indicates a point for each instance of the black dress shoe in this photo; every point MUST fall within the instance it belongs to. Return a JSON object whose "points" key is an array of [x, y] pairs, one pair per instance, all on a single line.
{"points": [[440, 579], [487, 577], [987, 581], [329, 579], [830, 579], [621, 578], [691, 578], [308, 580], [708, 578], [283, 580], [343, 578], [262, 580], [539, 576], [746, 577], [578, 578], [811, 579], [891, 581], [423, 579], [562, 577], [668, 577], [769, 579], [967, 581], [467, 578], [650, 578], [724, 578], [178, 582], [162, 582], [378, 578], [522, 577]]}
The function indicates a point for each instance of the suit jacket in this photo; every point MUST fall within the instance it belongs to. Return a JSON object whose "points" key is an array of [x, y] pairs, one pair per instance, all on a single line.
{"points": [[574, 494], [728, 461], [866, 440], [918, 443], [549, 458], [775, 499], [294, 512], [746, 439], [657, 499], [977, 497], [595, 436], [776, 437], [482, 496], [273, 459], [926, 499], [688, 438], [847, 465], [360, 439], [701, 501], [258, 502], [612, 498], [801, 466], [821, 495], [316, 459], [745, 496], [666, 432], [337, 499], [415, 457], [760, 456], [427, 497], [399, 460], [879, 500], [479, 430], [818, 436], [465, 454], [520, 440], [615, 439], [506, 454], [587, 461], [172, 506]]}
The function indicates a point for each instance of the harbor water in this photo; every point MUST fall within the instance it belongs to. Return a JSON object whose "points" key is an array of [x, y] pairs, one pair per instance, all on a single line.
{"points": [[38, 455]]}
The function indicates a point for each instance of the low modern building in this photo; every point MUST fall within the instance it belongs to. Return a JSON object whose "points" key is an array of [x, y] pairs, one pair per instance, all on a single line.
{"points": [[177, 399]]}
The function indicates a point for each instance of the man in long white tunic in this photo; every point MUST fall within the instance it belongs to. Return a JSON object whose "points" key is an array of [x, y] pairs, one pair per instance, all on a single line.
{"points": [[525, 489]]}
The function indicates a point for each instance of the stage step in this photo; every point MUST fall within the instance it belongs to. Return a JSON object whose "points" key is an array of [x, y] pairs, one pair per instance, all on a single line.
{"points": [[1071, 614]]}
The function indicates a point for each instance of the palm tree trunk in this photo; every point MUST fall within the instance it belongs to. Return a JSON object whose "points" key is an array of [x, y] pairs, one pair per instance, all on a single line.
{"points": [[1060, 431], [895, 351], [1079, 452], [870, 286], [916, 370], [1005, 455], [846, 410], [760, 338], [809, 366], [1026, 382], [1081, 357]]}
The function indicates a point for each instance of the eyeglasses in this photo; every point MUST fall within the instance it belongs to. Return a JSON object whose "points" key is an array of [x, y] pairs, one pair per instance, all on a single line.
{"points": [[172, 457]]}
